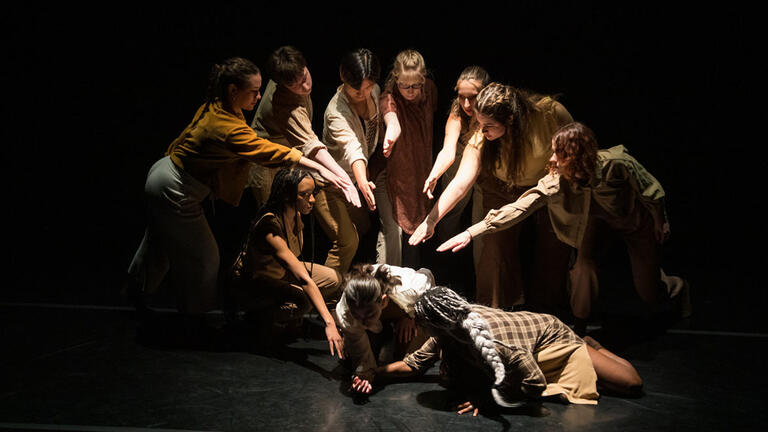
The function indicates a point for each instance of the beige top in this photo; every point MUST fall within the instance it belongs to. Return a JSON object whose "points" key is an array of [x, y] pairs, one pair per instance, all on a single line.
{"points": [[548, 116], [347, 137], [619, 184]]}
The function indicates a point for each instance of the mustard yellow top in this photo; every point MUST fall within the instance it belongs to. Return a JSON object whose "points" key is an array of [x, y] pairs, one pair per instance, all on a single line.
{"points": [[218, 148]]}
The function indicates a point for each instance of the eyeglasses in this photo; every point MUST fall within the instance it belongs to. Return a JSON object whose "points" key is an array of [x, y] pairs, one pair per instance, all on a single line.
{"points": [[402, 86]]}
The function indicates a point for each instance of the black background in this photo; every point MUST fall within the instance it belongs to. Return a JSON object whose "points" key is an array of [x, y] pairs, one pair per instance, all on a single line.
{"points": [[95, 95]]}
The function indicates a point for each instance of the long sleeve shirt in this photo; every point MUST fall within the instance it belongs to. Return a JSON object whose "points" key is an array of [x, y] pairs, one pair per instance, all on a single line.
{"points": [[348, 137], [619, 185], [413, 283], [286, 118], [218, 148], [518, 337]]}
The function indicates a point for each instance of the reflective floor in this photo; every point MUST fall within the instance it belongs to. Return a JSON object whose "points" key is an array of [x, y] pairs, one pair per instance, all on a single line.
{"points": [[83, 368]]}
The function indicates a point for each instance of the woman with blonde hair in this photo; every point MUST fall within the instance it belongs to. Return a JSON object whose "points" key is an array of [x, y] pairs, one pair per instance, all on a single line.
{"points": [[408, 103]]}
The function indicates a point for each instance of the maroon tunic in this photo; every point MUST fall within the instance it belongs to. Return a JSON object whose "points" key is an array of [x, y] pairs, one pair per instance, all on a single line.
{"points": [[411, 159]]}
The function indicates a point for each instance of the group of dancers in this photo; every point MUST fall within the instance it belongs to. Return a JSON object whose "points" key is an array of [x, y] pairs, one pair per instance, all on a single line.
{"points": [[511, 153]]}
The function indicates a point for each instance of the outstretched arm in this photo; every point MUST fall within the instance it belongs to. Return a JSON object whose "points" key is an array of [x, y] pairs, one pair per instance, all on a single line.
{"points": [[457, 188], [446, 156], [360, 170], [350, 193], [392, 133], [286, 257]]}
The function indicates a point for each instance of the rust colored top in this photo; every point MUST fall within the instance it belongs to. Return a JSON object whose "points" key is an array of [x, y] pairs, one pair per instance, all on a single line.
{"points": [[411, 159]]}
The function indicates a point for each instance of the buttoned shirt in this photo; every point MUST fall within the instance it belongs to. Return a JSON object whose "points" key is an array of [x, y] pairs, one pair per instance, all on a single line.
{"points": [[619, 185], [347, 137], [517, 336]]}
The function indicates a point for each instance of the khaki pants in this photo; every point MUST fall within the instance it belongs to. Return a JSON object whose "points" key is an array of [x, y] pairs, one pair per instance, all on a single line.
{"points": [[499, 281], [265, 293], [644, 255], [343, 224]]}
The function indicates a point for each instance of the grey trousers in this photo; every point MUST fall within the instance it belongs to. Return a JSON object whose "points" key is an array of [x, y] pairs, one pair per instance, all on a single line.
{"points": [[178, 241]]}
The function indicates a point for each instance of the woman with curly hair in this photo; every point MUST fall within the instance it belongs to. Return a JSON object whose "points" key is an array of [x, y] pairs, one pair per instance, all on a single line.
{"points": [[587, 192], [506, 160]]}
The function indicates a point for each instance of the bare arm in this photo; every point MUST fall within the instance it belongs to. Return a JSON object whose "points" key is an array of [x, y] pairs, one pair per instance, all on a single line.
{"points": [[457, 188], [360, 170], [392, 133], [286, 257], [447, 154], [350, 193]]}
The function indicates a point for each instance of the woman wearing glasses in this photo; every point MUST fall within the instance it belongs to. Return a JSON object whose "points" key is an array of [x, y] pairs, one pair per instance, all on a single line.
{"points": [[408, 105]]}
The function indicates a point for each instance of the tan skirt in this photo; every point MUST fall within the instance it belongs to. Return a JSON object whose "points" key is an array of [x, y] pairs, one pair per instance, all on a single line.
{"points": [[569, 373]]}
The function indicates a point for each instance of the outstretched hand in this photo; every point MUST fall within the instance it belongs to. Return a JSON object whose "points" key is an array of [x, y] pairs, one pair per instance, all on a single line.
{"points": [[422, 233], [456, 243], [429, 186], [335, 341], [367, 189]]}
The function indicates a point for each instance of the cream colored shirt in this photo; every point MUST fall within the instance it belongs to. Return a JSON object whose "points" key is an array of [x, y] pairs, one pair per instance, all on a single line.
{"points": [[619, 184], [345, 134]]}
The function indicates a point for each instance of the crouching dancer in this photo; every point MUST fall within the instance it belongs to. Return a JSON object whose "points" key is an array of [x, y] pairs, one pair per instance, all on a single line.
{"points": [[365, 307], [489, 355]]}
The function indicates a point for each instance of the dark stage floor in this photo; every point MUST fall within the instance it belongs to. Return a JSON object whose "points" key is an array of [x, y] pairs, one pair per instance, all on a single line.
{"points": [[82, 368]]}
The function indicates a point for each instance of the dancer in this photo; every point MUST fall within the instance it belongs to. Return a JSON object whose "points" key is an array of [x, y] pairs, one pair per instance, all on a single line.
{"points": [[408, 104], [272, 280], [509, 159], [284, 116], [351, 132], [365, 306], [457, 133], [586, 192], [210, 159], [489, 355]]}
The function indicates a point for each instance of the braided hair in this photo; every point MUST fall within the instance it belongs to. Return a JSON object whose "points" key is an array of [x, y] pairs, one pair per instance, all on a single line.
{"points": [[443, 309]]}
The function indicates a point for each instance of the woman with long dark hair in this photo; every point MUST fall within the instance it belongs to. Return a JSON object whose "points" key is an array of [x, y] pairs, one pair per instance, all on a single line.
{"points": [[272, 278], [587, 193], [506, 160]]}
